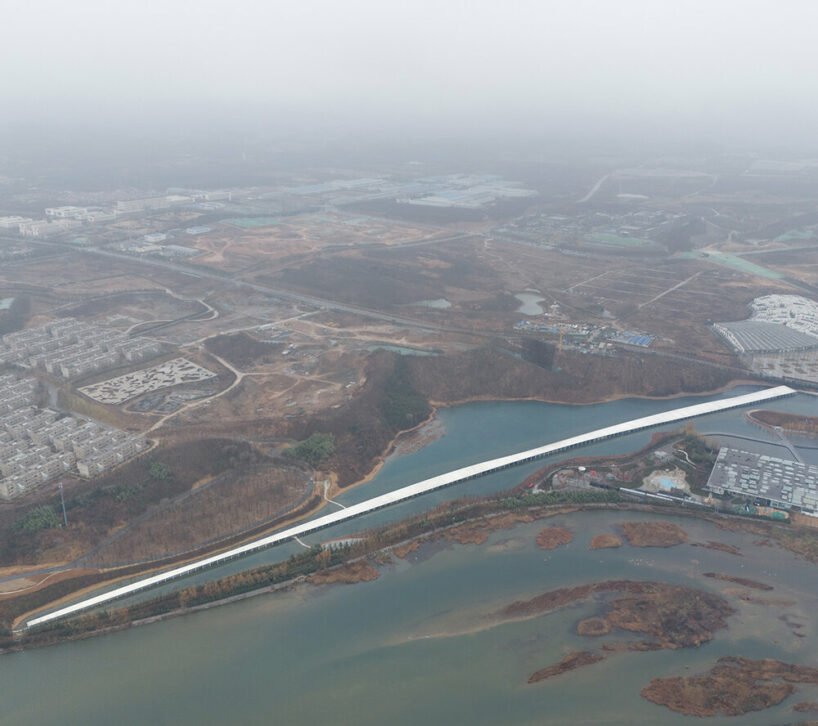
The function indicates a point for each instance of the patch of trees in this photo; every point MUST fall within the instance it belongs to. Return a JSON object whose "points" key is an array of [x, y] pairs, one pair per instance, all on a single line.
{"points": [[15, 317], [402, 406], [313, 450], [364, 427], [699, 450], [677, 236], [489, 373], [539, 352], [42, 517]]}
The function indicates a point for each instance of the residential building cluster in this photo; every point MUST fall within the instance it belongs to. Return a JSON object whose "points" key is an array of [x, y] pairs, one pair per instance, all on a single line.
{"points": [[69, 217], [13, 222], [70, 348], [81, 214], [37, 445], [47, 228]]}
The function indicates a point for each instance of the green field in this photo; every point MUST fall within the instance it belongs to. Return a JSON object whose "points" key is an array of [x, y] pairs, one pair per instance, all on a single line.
{"points": [[737, 263]]}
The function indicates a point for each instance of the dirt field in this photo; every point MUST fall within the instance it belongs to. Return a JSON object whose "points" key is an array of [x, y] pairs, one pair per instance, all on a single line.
{"points": [[128, 309], [239, 244]]}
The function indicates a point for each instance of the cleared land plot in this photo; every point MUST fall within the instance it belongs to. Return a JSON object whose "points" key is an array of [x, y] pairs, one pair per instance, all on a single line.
{"points": [[123, 388], [636, 285], [240, 243], [380, 278], [606, 239], [800, 264], [127, 309]]}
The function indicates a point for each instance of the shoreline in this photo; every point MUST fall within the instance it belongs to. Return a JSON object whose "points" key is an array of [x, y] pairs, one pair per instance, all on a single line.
{"points": [[753, 418], [605, 399], [334, 489], [437, 405], [539, 512]]}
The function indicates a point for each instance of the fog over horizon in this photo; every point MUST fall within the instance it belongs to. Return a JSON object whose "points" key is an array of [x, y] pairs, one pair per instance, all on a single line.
{"points": [[726, 72]]}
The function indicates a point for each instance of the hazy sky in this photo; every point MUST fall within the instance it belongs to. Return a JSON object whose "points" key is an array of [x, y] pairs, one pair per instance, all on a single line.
{"points": [[719, 67]]}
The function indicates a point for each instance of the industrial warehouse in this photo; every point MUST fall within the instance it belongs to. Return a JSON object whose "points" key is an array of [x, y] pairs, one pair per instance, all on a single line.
{"points": [[783, 483]]}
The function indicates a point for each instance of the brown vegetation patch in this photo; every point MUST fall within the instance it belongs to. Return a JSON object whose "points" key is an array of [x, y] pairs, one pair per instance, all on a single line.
{"points": [[568, 663], [388, 277], [654, 534], [593, 627], [672, 616], [354, 572], [478, 531], [734, 686], [552, 537], [805, 707], [806, 425], [404, 550], [739, 581], [801, 541], [605, 541], [487, 373], [232, 503], [718, 547]]}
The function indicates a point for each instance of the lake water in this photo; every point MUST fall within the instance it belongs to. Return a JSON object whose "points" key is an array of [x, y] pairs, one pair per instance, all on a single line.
{"points": [[530, 303], [374, 653]]}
